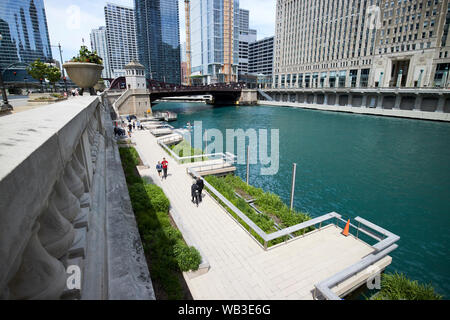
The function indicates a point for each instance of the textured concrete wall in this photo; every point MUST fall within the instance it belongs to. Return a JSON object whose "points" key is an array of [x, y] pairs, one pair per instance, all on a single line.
{"points": [[53, 207]]}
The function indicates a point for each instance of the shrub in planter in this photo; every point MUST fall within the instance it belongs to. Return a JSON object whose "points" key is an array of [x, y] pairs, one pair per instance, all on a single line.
{"points": [[85, 69], [188, 257]]}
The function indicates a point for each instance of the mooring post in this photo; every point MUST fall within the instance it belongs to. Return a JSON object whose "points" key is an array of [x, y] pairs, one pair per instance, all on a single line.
{"points": [[248, 162], [206, 144], [294, 169]]}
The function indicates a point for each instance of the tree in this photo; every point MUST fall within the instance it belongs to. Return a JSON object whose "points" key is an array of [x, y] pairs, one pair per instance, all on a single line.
{"points": [[53, 75], [38, 70]]}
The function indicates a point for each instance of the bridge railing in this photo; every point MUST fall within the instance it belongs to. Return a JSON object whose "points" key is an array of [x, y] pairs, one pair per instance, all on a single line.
{"points": [[211, 88]]}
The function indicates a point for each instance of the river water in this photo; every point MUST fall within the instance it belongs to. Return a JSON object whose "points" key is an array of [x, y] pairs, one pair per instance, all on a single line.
{"points": [[392, 172]]}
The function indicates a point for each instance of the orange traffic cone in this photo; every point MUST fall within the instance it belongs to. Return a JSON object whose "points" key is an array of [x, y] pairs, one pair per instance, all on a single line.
{"points": [[347, 228]]}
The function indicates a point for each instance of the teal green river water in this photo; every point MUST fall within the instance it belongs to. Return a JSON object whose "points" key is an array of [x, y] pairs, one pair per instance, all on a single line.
{"points": [[392, 172]]}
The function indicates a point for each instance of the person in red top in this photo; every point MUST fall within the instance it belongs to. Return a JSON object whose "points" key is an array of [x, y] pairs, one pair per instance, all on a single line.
{"points": [[164, 165]]}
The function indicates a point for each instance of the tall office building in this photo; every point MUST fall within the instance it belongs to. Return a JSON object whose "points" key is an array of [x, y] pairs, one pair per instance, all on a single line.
{"points": [[260, 57], [23, 26], [99, 44], [214, 40], [361, 43], [120, 37], [157, 25], [246, 36]]}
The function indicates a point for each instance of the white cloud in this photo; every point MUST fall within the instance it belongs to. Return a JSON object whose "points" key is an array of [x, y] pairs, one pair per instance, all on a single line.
{"points": [[262, 16], [64, 28], [61, 22]]}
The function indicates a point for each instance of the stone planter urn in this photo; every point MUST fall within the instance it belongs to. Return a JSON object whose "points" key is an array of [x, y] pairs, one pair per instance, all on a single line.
{"points": [[84, 74], [100, 86]]}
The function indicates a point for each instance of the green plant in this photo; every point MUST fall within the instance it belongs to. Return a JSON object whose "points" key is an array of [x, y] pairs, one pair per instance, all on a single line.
{"points": [[85, 55], [188, 258], [163, 244], [53, 75], [399, 287], [270, 205], [38, 70]]}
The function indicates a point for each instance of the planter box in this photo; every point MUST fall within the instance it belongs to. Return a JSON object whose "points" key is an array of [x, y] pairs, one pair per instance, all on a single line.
{"points": [[83, 74]]}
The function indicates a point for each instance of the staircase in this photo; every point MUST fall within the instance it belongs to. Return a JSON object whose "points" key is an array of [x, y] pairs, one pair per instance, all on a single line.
{"points": [[265, 95]]}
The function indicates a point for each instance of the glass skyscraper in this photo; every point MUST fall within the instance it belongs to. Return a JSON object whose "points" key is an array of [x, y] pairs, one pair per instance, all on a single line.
{"points": [[158, 39], [23, 26], [214, 34]]}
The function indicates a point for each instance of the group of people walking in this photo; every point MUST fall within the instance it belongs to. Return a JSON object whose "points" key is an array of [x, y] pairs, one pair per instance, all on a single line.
{"points": [[197, 185], [196, 191], [132, 125], [162, 167]]}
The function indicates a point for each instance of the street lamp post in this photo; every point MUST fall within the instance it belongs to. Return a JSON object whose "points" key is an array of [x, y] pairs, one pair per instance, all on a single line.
{"points": [[62, 68], [6, 106]]}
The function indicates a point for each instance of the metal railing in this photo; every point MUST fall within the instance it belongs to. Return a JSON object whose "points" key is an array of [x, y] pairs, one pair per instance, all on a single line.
{"points": [[382, 248], [264, 236], [225, 156]]}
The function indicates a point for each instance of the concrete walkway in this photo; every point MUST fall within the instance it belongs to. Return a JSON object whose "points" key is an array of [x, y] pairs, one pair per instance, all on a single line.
{"points": [[240, 268]]}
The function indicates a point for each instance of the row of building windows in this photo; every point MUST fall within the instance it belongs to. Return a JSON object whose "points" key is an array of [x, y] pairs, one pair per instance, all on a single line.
{"points": [[332, 79]]}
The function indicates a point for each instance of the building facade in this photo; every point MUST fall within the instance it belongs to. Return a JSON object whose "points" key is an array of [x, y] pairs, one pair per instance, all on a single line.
{"points": [[246, 36], [214, 41], [120, 37], [99, 44], [361, 43], [24, 33], [260, 60], [158, 37]]}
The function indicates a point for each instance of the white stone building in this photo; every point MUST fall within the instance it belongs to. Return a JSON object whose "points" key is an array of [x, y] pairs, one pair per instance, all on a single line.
{"points": [[135, 75], [361, 43]]}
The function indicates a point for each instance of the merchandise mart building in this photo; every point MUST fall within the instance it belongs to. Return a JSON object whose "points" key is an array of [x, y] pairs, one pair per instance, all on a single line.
{"points": [[361, 43], [23, 26]]}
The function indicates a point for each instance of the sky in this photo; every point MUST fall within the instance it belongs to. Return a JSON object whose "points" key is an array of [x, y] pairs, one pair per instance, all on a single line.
{"points": [[70, 21]]}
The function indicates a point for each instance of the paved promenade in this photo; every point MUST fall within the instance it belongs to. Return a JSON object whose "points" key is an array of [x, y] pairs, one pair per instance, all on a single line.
{"points": [[240, 268]]}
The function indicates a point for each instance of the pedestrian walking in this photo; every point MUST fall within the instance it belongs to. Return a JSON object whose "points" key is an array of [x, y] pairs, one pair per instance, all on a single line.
{"points": [[165, 164], [134, 125], [200, 186], [194, 193], [138, 124], [130, 127], [159, 168]]}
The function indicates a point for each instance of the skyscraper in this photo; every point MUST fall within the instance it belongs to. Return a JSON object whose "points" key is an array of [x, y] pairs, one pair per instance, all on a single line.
{"points": [[260, 56], [214, 40], [99, 44], [158, 37], [246, 36], [120, 37], [361, 43], [23, 26]]}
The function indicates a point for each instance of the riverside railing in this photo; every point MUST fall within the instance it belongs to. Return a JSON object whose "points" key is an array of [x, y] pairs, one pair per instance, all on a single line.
{"points": [[263, 235], [224, 156], [381, 249]]}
